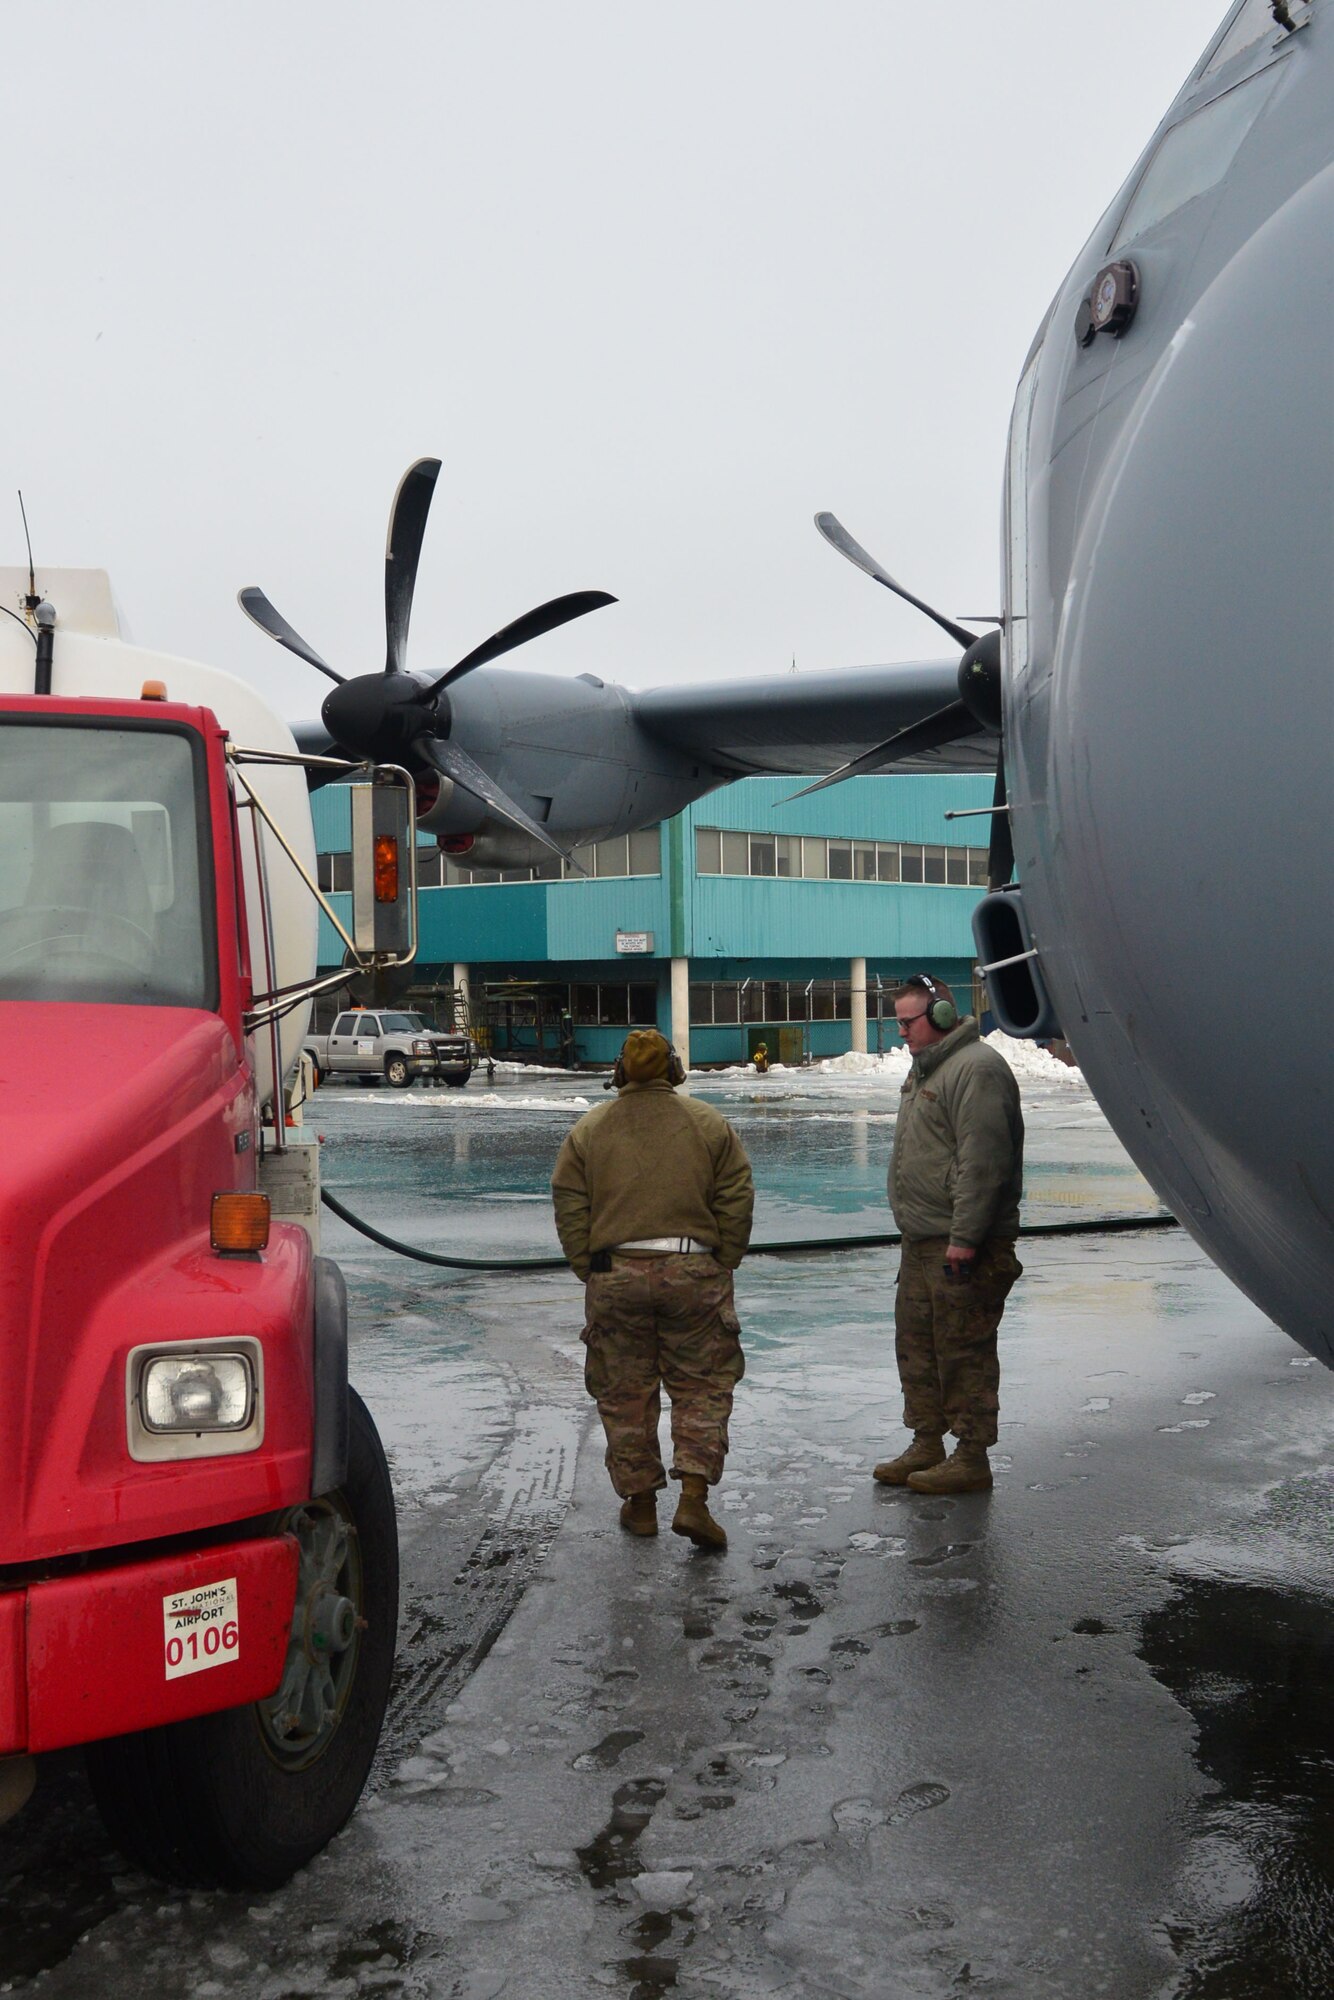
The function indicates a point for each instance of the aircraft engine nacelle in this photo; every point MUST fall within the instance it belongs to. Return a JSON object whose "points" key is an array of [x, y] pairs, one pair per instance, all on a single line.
{"points": [[495, 847]]}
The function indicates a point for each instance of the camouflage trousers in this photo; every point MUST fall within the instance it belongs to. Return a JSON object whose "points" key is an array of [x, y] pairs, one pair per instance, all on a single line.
{"points": [[656, 1323], [945, 1337]]}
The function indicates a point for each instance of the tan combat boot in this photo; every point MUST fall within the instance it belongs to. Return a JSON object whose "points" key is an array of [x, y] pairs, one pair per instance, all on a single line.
{"points": [[966, 1471], [639, 1514], [925, 1451], [692, 1516]]}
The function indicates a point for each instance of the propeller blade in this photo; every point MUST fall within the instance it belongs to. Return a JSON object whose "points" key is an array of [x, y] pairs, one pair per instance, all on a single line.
{"points": [[1000, 851], [402, 550], [947, 725], [314, 740], [258, 609], [452, 762], [838, 537], [532, 625]]}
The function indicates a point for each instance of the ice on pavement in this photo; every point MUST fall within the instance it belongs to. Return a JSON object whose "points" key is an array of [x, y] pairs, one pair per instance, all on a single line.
{"points": [[477, 1100], [856, 1755]]}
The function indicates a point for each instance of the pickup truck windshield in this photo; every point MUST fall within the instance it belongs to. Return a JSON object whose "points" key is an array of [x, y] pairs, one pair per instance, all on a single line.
{"points": [[403, 1024], [103, 865]]}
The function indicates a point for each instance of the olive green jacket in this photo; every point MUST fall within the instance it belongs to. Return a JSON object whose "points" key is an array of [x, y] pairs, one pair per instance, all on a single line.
{"points": [[957, 1168], [651, 1163]]}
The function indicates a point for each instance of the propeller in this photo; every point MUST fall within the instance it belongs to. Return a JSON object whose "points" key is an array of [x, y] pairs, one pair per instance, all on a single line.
{"points": [[977, 712], [838, 537], [392, 717]]}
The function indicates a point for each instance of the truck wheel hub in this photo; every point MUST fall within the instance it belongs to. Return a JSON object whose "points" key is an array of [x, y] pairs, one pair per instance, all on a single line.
{"points": [[298, 1722]]}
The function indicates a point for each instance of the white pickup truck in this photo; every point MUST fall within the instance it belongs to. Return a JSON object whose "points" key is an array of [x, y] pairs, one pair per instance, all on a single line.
{"points": [[382, 1045]]}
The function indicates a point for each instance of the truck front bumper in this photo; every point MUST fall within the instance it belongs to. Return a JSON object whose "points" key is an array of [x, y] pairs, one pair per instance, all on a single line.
{"points": [[143, 1643]]}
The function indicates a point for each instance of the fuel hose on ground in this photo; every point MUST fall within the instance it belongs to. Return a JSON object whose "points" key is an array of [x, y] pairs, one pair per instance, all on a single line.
{"points": [[1105, 1226]]}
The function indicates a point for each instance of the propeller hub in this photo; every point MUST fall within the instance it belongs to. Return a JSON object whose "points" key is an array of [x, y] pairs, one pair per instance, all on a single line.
{"points": [[380, 716], [979, 680]]}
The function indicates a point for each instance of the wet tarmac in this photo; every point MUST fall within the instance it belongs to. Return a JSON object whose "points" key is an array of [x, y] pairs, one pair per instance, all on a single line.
{"points": [[1067, 1739]]}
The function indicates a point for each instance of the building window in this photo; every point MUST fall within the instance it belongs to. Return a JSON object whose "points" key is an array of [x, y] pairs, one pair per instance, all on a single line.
{"points": [[768, 1002], [718, 851], [736, 854], [643, 1006], [614, 1005], [817, 859], [646, 851], [625, 854]]}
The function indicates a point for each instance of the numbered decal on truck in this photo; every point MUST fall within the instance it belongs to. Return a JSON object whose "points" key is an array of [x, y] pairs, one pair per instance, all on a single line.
{"points": [[200, 1628]]}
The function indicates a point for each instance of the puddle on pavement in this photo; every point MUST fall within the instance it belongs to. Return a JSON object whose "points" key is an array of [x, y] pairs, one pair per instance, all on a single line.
{"points": [[1253, 1912], [609, 1857]]}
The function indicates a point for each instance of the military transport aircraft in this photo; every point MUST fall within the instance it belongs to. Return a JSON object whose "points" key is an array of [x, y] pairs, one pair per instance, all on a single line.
{"points": [[1162, 675]]}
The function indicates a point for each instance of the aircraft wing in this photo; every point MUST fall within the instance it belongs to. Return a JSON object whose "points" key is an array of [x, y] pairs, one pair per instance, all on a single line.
{"points": [[810, 723]]}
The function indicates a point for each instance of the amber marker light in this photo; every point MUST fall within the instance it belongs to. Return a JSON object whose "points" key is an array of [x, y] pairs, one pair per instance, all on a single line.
{"points": [[386, 868], [239, 1224], [153, 691]]}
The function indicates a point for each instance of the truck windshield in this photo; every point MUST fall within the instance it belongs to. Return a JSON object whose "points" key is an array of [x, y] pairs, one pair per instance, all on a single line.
{"points": [[103, 869], [403, 1024]]}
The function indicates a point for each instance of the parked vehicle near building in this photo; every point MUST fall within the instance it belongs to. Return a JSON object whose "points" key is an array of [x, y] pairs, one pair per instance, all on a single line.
{"points": [[381, 1043]]}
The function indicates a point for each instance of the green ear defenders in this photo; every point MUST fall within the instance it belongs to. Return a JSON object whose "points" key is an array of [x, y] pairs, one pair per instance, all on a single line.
{"points": [[675, 1073], [940, 1012]]}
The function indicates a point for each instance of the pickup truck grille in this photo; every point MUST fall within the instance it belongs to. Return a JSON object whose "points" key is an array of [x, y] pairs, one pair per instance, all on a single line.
{"points": [[451, 1051]]}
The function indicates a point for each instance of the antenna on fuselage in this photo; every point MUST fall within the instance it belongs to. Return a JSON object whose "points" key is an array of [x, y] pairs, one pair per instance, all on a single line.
{"points": [[42, 614], [31, 600]]}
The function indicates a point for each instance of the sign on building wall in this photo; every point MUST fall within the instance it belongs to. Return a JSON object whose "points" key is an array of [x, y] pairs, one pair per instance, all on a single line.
{"points": [[634, 941]]}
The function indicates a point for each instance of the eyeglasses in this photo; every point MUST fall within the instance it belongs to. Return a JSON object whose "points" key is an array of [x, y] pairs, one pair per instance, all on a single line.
{"points": [[904, 1021]]}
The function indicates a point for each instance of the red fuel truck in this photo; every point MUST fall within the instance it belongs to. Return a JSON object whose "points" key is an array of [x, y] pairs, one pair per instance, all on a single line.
{"points": [[198, 1559]]}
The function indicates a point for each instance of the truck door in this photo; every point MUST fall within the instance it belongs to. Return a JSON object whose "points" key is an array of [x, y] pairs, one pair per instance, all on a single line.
{"points": [[366, 1044], [342, 1043]]}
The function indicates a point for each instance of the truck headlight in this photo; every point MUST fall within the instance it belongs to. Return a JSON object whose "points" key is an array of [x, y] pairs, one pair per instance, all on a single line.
{"points": [[421, 1048], [197, 1392]]}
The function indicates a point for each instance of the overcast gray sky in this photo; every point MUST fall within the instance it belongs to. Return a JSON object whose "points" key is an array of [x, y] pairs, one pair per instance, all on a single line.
{"points": [[656, 282]]}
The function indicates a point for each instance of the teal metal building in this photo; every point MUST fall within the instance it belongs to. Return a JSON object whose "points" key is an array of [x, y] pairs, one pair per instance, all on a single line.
{"points": [[749, 917]]}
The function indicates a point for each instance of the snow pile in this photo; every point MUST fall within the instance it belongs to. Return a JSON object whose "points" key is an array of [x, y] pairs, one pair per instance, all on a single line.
{"points": [[664, 1888], [740, 1069], [892, 1066], [1034, 1065]]}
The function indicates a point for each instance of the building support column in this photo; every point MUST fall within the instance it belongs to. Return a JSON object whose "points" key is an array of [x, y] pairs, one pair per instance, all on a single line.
{"points": [[857, 969], [681, 1009]]}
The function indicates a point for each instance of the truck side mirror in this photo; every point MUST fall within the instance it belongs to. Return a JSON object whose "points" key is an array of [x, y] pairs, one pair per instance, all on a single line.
{"points": [[384, 870]]}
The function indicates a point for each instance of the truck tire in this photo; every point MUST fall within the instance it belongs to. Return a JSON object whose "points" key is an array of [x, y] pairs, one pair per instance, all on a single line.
{"points": [[454, 1080], [242, 1799], [397, 1071]]}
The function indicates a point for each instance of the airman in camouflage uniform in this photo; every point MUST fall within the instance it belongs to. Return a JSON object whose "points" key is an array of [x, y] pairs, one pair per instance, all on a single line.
{"points": [[653, 1198], [954, 1184]]}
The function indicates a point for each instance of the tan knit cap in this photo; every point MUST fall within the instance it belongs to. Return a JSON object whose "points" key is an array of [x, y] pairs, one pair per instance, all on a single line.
{"points": [[645, 1056]]}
